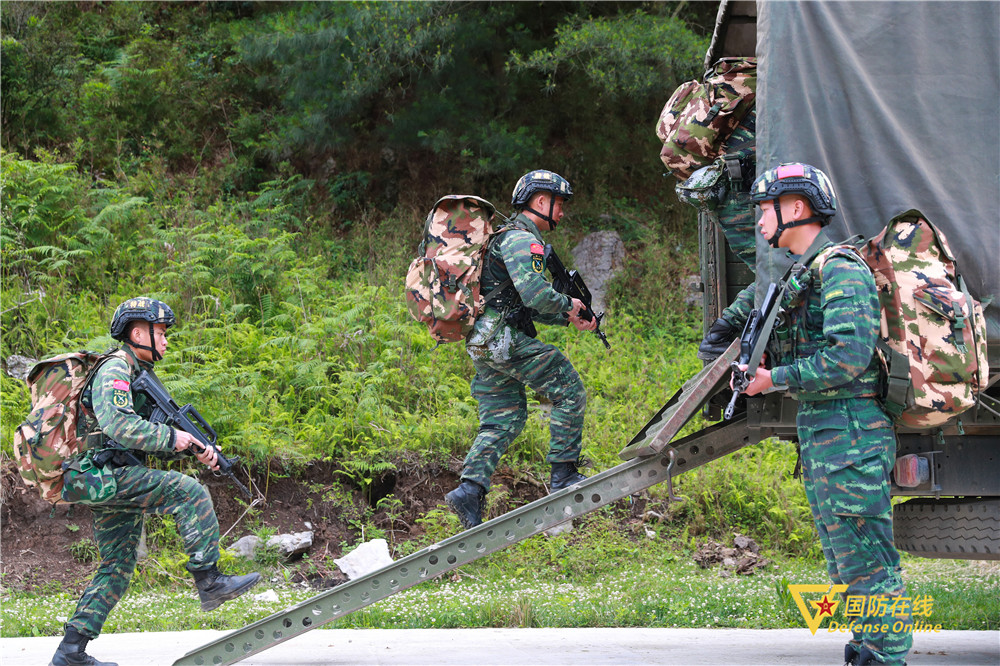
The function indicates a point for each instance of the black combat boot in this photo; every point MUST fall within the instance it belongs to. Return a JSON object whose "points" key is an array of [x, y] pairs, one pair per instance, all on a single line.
{"points": [[866, 657], [467, 502], [72, 652], [850, 655], [216, 588], [717, 340], [564, 475]]}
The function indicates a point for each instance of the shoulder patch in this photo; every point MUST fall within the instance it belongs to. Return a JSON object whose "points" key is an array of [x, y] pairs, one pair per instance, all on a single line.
{"points": [[121, 385], [536, 248]]}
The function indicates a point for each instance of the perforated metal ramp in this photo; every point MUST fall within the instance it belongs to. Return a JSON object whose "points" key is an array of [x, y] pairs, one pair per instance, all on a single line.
{"points": [[649, 461]]}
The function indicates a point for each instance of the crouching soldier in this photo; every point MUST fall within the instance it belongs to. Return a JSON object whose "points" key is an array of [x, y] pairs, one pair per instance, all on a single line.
{"points": [[119, 435]]}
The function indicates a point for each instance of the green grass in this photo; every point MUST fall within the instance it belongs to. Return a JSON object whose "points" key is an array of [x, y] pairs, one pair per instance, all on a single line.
{"points": [[543, 582]]}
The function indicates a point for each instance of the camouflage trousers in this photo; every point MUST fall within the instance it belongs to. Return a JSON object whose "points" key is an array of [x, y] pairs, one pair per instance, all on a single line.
{"points": [[848, 449], [118, 525], [504, 366]]}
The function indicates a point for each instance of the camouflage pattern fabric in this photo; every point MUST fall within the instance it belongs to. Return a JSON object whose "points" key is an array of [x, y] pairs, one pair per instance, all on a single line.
{"points": [[49, 435], [930, 318], [698, 117], [518, 254], [739, 310], [736, 214], [848, 449], [847, 443], [504, 366], [506, 360], [118, 524], [120, 415], [442, 284], [827, 349]]}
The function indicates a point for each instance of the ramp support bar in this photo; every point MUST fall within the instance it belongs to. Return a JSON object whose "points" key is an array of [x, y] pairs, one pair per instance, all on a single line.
{"points": [[625, 479], [649, 460]]}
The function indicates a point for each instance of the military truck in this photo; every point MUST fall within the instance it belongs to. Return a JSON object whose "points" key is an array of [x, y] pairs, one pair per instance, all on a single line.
{"points": [[877, 95]]}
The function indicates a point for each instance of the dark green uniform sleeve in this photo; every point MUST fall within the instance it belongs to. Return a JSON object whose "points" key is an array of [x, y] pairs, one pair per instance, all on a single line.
{"points": [[738, 313], [849, 304], [112, 401], [526, 269]]}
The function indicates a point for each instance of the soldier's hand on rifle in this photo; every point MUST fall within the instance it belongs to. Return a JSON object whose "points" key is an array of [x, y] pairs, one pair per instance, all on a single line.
{"points": [[575, 317], [206, 455], [761, 383]]}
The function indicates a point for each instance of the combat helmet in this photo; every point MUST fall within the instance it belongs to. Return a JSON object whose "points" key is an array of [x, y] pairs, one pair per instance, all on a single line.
{"points": [[141, 309], [540, 180], [801, 179]]}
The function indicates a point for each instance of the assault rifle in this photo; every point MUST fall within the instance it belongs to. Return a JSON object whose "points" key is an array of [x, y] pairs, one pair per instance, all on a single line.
{"points": [[571, 284], [165, 410], [753, 343]]}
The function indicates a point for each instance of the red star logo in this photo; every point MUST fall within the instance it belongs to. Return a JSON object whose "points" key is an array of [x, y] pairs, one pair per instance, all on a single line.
{"points": [[825, 607]]}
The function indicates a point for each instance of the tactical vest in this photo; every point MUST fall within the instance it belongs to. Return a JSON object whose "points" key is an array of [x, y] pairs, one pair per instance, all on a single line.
{"points": [[88, 426], [800, 335], [508, 300]]}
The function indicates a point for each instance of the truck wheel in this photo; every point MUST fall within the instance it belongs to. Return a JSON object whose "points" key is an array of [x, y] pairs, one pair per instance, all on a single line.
{"points": [[959, 528]]}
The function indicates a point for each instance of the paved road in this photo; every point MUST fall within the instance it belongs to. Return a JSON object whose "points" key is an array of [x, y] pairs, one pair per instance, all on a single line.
{"points": [[524, 647]]}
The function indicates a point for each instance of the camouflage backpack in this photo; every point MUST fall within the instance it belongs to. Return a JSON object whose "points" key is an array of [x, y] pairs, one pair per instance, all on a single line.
{"points": [[933, 333], [699, 117], [442, 283], [48, 436]]}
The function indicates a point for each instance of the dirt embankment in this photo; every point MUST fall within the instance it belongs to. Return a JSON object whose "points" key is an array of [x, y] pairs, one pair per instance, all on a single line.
{"points": [[36, 540]]}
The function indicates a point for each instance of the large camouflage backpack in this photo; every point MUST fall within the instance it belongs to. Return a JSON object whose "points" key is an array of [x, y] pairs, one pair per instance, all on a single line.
{"points": [[698, 118], [48, 436], [442, 283], [933, 333]]}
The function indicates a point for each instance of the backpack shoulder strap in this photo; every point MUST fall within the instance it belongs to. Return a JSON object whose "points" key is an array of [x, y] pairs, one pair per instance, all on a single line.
{"points": [[114, 353]]}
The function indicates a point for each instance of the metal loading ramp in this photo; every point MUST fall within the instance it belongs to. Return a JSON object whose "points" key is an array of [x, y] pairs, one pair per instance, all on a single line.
{"points": [[649, 461]]}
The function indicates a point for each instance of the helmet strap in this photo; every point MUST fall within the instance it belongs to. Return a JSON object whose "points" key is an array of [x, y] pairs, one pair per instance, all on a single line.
{"points": [[782, 225], [548, 218], [152, 349]]}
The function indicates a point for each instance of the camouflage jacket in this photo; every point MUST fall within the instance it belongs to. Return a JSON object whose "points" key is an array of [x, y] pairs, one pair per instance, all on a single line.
{"points": [[113, 411], [517, 254], [827, 349]]}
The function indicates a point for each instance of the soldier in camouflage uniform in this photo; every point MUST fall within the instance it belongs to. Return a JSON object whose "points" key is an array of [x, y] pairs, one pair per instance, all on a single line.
{"points": [[506, 355], [721, 193], [825, 355], [114, 422]]}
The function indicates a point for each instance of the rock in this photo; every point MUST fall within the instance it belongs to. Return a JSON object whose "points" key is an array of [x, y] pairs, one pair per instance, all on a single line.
{"points": [[693, 289], [246, 547], [269, 596], [369, 556], [561, 528], [291, 545], [599, 257], [18, 366]]}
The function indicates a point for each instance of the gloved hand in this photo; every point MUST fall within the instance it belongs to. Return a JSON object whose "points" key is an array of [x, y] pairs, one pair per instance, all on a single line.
{"points": [[717, 340]]}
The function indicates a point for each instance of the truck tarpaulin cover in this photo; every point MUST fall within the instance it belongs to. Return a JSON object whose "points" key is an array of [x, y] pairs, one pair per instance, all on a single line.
{"points": [[899, 102]]}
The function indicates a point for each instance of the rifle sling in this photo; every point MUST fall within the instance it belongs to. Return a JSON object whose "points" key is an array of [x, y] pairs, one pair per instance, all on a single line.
{"points": [[765, 335]]}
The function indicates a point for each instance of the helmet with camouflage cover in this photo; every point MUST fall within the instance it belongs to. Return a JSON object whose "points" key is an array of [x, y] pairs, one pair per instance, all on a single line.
{"points": [[138, 309], [801, 179], [540, 180]]}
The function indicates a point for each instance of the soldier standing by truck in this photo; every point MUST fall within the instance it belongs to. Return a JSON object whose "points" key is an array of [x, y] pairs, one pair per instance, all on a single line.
{"points": [[506, 355], [826, 355]]}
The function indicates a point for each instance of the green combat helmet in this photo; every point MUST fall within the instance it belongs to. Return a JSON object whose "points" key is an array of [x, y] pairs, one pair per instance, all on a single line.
{"points": [[796, 178], [537, 181], [141, 309]]}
